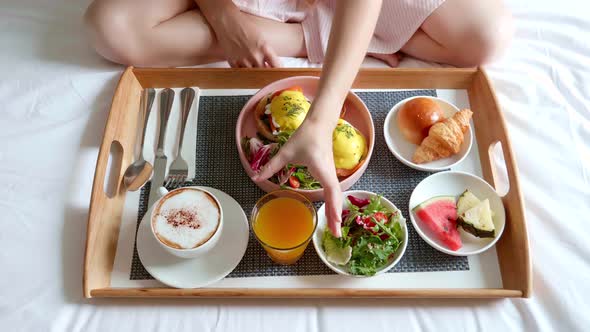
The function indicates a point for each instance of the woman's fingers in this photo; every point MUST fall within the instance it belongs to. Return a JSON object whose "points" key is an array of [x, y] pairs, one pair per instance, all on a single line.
{"points": [[257, 60], [274, 165], [261, 58], [245, 63], [271, 57], [332, 196]]}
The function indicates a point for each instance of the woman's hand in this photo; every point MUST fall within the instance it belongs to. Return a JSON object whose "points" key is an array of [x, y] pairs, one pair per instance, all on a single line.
{"points": [[241, 42], [311, 145]]}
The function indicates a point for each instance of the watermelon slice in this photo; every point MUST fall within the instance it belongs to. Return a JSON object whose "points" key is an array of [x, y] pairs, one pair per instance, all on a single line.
{"points": [[439, 214]]}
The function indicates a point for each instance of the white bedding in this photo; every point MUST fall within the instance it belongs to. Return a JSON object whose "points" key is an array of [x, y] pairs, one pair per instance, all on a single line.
{"points": [[54, 97]]}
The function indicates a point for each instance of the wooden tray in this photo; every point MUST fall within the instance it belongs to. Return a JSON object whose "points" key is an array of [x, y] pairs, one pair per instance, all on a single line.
{"points": [[120, 134]]}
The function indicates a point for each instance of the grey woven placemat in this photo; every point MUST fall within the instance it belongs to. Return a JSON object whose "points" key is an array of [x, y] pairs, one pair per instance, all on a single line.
{"points": [[218, 166]]}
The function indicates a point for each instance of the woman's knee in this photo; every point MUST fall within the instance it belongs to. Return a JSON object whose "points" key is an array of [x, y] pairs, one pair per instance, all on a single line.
{"points": [[112, 32], [472, 32], [483, 37], [485, 42]]}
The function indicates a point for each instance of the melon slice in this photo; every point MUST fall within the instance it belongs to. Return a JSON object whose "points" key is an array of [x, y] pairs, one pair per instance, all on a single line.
{"points": [[466, 201], [478, 220], [439, 214]]}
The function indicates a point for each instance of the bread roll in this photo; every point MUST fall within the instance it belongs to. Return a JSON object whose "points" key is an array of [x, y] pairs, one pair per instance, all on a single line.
{"points": [[416, 116]]}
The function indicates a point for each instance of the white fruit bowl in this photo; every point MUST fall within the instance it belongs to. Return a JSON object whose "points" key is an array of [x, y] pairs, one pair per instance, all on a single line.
{"points": [[454, 184]]}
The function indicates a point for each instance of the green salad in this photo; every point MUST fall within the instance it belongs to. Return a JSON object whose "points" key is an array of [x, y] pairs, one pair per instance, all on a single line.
{"points": [[371, 234]]}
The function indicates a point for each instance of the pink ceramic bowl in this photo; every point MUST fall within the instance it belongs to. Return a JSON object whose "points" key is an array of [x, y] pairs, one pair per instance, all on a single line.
{"points": [[356, 113]]}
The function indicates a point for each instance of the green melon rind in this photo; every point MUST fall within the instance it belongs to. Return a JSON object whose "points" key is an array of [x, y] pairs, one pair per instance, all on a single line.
{"points": [[432, 200], [474, 231]]}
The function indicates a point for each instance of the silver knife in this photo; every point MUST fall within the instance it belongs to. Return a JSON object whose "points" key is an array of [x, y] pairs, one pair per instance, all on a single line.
{"points": [[193, 136], [166, 100]]}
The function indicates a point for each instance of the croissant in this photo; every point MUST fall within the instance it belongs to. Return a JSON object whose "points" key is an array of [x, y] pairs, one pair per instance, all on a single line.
{"points": [[444, 138]]}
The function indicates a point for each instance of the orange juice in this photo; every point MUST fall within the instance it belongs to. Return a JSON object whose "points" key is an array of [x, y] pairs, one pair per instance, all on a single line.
{"points": [[284, 226]]}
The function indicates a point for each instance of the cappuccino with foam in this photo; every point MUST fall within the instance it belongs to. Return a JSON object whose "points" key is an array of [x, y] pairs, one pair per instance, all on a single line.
{"points": [[186, 218]]}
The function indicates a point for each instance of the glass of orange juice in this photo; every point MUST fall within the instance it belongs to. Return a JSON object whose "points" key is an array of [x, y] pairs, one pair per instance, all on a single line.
{"points": [[283, 221]]}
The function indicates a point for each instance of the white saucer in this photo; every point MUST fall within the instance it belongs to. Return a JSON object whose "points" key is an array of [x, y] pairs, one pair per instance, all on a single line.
{"points": [[197, 272], [404, 150], [454, 184]]}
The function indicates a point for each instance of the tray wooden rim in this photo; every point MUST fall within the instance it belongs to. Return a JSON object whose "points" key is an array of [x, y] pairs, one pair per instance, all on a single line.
{"points": [[304, 292], [105, 213]]}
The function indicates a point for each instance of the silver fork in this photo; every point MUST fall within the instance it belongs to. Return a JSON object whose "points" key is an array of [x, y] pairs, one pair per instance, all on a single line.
{"points": [[179, 168]]}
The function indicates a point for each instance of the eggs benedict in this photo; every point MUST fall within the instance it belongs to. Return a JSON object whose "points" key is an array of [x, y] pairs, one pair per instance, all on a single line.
{"points": [[349, 147], [282, 111], [279, 114]]}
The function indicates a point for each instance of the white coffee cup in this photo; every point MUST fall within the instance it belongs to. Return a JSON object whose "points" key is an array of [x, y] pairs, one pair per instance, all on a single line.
{"points": [[181, 225]]}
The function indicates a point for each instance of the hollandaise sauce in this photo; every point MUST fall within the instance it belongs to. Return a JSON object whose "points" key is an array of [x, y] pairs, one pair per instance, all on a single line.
{"points": [[288, 110], [349, 145]]}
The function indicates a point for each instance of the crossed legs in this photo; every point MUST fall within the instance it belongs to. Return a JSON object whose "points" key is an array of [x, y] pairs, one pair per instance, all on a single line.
{"points": [[173, 33]]}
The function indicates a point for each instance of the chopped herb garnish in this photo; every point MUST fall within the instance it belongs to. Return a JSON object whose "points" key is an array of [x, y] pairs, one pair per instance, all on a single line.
{"points": [[294, 110], [346, 129]]}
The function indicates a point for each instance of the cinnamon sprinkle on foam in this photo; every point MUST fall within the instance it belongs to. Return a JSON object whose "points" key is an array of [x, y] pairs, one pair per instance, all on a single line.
{"points": [[183, 217]]}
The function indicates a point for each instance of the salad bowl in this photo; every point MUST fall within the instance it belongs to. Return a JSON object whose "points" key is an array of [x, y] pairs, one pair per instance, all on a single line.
{"points": [[357, 114], [361, 197]]}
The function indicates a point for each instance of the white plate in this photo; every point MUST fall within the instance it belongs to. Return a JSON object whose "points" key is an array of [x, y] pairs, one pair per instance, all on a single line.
{"points": [[197, 272], [322, 225], [404, 150], [454, 184]]}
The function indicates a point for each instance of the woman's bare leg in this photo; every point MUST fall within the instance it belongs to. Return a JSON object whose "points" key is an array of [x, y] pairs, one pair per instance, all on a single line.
{"points": [[171, 33], [463, 33], [390, 59]]}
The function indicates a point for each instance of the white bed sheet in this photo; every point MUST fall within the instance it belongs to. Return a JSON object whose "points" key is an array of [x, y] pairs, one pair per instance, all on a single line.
{"points": [[54, 97]]}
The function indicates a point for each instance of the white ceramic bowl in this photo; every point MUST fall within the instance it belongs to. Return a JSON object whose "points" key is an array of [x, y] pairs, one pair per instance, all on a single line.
{"points": [[454, 184], [403, 150], [322, 225]]}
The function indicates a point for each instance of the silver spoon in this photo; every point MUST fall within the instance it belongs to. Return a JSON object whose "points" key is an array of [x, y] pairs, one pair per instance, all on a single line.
{"points": [[138, 173]]}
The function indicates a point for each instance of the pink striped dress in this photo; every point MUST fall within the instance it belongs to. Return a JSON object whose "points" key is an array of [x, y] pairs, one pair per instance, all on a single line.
{"points": [[398, 21]]}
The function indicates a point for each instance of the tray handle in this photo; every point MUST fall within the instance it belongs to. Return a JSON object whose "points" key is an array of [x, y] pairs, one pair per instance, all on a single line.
{"points": [[105, 212], [490, 128], [499, 168]]}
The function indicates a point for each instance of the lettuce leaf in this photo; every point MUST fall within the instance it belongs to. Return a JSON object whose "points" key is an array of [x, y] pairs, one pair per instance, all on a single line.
{"points": [[372, 247], [337, 251]]}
